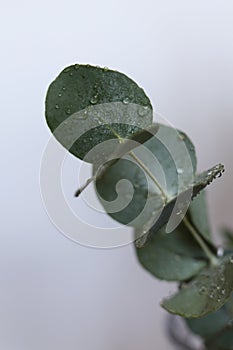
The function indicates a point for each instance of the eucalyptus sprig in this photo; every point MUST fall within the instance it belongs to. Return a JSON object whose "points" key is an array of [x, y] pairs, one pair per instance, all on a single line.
{"points": [[145, 177]]}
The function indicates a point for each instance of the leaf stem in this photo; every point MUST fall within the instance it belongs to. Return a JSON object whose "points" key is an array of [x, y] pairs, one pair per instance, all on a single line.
{"points": [[149, 173], [81, 189], [212, 258]]}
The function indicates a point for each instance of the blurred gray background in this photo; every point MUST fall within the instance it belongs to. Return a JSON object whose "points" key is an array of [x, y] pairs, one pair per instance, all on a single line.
{"points": [[57, 294]]}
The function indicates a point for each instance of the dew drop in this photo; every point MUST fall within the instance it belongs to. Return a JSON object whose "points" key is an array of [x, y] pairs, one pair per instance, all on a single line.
{"points": [[70, 74], [106, 69], [223, 292], [231, 259], [126, 100], [142, 111], [218, 174], [181, 137], [180, 171], [202, 290], [68, 111], [76, 66], [67, 70], [94, 99], [57, 107], [60, 94], [209, 173], [218, 288], [220, 252], [64, 88], [211, 296], [218, 300], [179, 212]]}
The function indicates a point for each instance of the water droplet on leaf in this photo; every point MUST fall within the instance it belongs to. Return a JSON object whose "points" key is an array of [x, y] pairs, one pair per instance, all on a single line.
{"points": [[94, 99], [126, 100], [143, 111], [220, 252], [202, 290], [181, 137]]}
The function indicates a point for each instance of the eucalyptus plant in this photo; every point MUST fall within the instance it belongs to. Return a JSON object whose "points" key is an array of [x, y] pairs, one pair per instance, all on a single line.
{"points": [[145, 177]]}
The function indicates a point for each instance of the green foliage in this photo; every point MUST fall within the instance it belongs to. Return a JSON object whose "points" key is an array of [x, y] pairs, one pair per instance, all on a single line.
{"points": [[145, 177], [206, 292], [172, 256], [162, 161], [87, 105], [216, 328]]}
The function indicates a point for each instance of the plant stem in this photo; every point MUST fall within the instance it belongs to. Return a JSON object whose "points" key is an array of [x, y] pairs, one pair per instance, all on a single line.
{"points": [[149, 173], [212, 258]]}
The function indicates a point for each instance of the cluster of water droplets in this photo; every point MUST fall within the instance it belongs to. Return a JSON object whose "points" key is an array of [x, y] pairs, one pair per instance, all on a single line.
{"points": [[217, 171], [214, 291], [217, 290]]}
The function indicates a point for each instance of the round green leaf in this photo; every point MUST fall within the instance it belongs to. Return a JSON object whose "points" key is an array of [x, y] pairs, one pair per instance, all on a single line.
{"points": [[172, 257], [204, 294], [169, 157], [87, 105]]}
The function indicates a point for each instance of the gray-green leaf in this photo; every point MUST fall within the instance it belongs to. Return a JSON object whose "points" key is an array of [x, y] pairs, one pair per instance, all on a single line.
{"points": [[175, 209], [199, 215], [204, 294], [213, 324], [127, 188], [172, 257], [87, 106]]}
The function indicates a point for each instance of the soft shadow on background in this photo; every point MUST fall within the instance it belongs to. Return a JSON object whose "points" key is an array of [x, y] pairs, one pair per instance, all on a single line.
{"points": [[54, 293]]}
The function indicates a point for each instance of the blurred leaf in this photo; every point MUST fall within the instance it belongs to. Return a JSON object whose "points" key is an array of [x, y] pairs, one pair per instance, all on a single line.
{"points": [[224, 340], [199, 215], [173, 257], [210, 325], [205, 293], [216, 328], [228, 237], [87, 105]]}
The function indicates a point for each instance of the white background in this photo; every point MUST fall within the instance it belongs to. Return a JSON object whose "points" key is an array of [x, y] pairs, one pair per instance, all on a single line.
{"points": [[54, 293]]}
